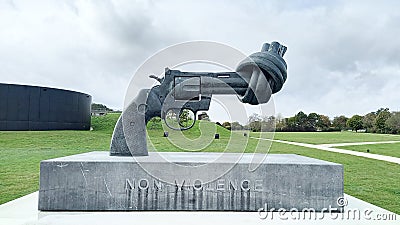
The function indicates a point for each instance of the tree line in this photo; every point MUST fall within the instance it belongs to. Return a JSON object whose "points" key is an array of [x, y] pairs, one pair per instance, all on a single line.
{"points": [[381, 121], [98, 106]]}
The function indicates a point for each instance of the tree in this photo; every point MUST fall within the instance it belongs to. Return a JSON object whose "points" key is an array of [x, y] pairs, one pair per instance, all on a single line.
{"points": [[279, 117], [380, 121], [254, 117], [323, 123], [312, 120], [186, 118], [154, 123], [236, 126], [300, 121], [355, 122], [381, 110], [203, 116], [268, 123], [280, 123], [255, 122], [291, 124], [295, 123], [227, 125], [393, 123], [340, 122], [369, 122], [97, 106], [255, 126]]}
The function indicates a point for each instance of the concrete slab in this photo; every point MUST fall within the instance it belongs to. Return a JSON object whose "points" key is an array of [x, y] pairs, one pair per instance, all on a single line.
{"points": [[188, 181], [23, 211], [20, 211]]}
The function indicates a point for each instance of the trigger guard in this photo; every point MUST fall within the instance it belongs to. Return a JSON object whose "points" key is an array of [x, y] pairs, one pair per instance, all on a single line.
{"points": [[181, 128]]}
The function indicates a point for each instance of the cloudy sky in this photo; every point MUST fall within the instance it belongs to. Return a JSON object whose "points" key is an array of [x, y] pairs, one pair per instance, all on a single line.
{"points": [[343, 56]]}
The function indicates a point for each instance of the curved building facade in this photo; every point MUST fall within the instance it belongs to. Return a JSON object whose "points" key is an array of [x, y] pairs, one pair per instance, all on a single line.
{"points": [[24, 107]]}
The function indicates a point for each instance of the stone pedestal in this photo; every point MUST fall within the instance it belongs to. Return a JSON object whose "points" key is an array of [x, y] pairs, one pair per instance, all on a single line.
{"points": [[96, 181]]}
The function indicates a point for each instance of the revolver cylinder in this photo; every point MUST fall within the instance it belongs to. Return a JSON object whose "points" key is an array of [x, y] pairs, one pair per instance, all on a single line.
{"points": [[193, 86]]}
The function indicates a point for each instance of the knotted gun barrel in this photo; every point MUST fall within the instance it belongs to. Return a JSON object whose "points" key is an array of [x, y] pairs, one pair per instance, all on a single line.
{"points": [[270, 63], [256, 78]]}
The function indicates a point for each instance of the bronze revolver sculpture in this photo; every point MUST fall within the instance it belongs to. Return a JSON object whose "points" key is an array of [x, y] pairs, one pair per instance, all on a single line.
{"points": [[256, 78]]}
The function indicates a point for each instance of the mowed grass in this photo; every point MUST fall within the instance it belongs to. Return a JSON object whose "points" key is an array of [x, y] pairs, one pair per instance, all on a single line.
{"points": [[371, 180], [22, 151], [194, 141], [392, 149], [334, 137]]}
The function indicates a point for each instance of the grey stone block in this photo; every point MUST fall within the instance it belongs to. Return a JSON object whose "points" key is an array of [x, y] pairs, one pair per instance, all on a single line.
{"points": [[96, 181]]}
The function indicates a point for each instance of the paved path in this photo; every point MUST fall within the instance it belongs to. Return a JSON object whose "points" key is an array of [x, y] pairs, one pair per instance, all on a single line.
{"points": [[325, 148], [359, 143]]}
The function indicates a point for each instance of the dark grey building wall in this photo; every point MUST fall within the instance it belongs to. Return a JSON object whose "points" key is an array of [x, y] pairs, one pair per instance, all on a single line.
{"points": [[25, 107]]}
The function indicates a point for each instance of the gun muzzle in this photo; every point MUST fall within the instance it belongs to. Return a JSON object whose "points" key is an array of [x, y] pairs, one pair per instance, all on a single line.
{"points": [[270, 63]]}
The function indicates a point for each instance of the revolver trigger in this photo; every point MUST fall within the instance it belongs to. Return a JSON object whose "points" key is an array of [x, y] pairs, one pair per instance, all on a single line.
{"points": [[156, 78]]}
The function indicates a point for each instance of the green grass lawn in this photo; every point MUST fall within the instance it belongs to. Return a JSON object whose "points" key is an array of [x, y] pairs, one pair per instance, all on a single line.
{"points": [[333, 137], [22, 151], [392, 149], [192, 140], [371, 180]]}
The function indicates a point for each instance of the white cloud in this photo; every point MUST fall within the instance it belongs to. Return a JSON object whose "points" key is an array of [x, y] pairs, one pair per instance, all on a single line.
{"points": [[343, 56]]}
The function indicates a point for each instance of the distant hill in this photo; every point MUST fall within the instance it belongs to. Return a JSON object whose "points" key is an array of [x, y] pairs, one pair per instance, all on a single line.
{"points": [[97, 106]]}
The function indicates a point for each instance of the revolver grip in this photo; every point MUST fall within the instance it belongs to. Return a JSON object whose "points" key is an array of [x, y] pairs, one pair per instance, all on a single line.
{"points": [[129, 136]]}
